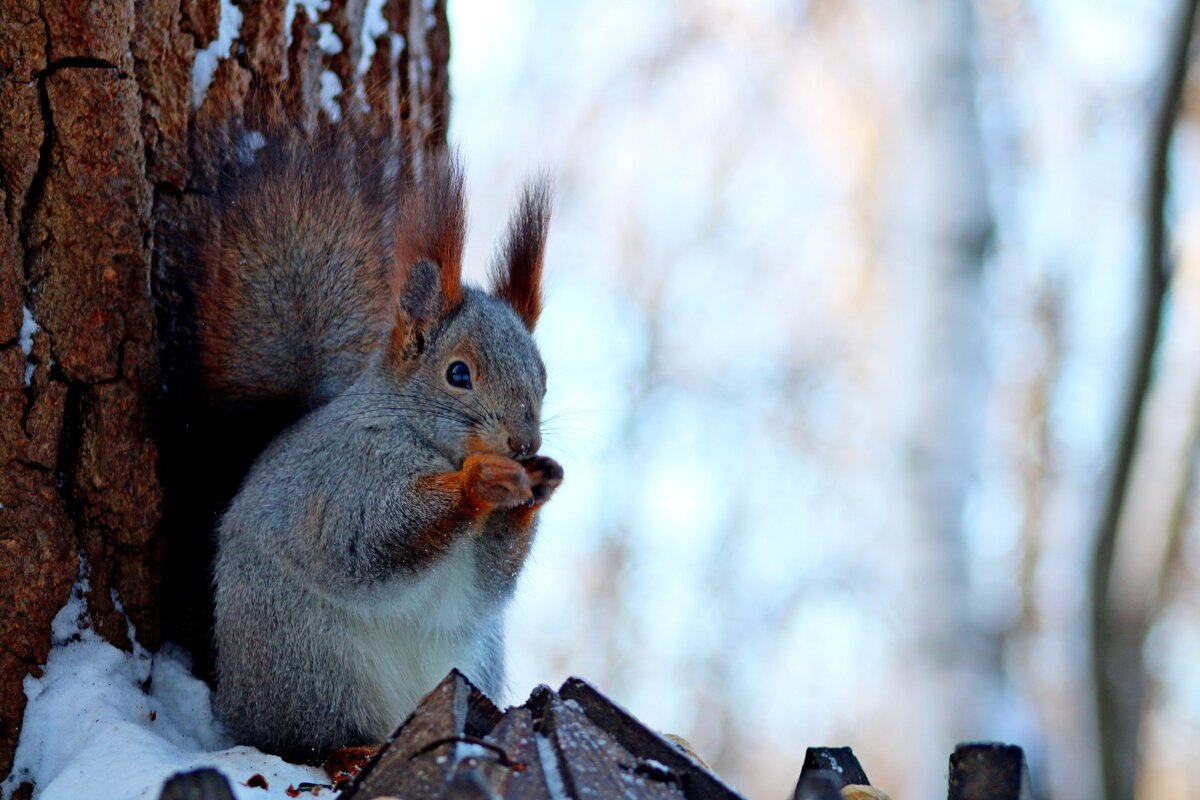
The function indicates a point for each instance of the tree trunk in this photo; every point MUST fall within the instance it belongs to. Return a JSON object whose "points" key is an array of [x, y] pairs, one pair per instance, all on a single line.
{"points": [[102, 188], [1117, 634], [942, 233]]}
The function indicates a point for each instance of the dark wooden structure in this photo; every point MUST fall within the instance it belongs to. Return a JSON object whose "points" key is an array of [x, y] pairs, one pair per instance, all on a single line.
{"points": [[989, 770], [576, 744], [570, 743], [826, 771]]}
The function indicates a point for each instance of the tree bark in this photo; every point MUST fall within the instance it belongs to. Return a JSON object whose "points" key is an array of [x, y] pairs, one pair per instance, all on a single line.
{"points": [[103, 185]]}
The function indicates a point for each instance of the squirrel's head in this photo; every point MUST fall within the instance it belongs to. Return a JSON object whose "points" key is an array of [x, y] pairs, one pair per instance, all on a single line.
{"points": [[465, 357]]}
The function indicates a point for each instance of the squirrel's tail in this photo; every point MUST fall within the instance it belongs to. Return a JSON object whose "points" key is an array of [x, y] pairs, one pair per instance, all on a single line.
{"points": [[293, 293]]}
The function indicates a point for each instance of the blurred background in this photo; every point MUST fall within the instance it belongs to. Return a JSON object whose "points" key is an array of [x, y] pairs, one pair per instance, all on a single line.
{"points": [[843, 316]]}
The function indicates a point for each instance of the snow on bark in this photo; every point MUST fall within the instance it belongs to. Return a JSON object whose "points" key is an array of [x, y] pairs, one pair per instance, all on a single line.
{"points": [[206, 60]]}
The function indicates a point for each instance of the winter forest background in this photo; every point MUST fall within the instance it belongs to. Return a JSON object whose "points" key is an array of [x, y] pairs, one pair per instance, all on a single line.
{"points": [[877, 390], [842, 307]]}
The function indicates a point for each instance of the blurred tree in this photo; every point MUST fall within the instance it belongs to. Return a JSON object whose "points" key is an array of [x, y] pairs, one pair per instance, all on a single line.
{"points": [[943, 234], [99, 177], [1118, 630]]}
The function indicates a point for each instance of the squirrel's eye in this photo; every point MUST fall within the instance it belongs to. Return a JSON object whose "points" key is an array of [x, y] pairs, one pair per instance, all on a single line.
{"points": [[459, 374]]}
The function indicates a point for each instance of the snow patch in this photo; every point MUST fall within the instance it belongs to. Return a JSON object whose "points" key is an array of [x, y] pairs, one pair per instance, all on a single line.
{"points": [[331, 89], [465, 750], [105, 724], [205, 64], [71, 621], [29, 327], [657, 767], [374, 26], [549, 759], [248, 147], [328, 41], [130, 631], [313, 7]]}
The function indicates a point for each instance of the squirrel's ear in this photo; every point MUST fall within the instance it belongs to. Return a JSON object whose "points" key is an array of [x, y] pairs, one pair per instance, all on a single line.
{"points": [[421, 297], [431, 227], [418, 307], [516, 273]]}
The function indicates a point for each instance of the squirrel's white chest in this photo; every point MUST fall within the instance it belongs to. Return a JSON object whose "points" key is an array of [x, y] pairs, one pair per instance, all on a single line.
{"points": [[403, 639]]}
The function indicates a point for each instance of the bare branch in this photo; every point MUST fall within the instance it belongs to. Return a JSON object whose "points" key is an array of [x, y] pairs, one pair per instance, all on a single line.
{"points": [[1114, 668]]}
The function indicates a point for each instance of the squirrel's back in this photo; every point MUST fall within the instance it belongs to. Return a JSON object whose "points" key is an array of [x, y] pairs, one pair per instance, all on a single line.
{"points": [[294, 288]]}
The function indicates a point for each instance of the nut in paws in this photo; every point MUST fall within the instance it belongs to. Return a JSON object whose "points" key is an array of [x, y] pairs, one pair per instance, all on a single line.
{"points": [[545, 474], [497, 481]]}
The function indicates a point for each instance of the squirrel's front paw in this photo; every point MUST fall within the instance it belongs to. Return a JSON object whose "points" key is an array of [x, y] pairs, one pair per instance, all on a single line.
{"points": [[492, 480], [545, 474]]}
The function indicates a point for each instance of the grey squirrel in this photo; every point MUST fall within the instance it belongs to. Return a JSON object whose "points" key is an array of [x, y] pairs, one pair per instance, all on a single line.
{"points": [[374, 543]]}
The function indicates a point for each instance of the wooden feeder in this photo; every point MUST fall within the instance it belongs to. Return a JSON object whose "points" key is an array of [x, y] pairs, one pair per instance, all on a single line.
{"points": [[576, 744]]}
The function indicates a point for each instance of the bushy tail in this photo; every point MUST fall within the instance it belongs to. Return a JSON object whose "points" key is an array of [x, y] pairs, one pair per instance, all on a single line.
{"points": [[294, 291]]}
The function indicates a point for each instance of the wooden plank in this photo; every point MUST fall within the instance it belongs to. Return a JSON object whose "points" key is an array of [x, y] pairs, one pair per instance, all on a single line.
{"points": [[989, 771], [200, 784], [468, 785], [818, 784], [591, 764], [503, 764], [421, 758], [457, 744], [698, 782], [523, 778], [538, 699]]}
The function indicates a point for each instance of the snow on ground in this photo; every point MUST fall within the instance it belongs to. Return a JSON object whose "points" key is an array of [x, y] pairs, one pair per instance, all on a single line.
{"points": [[110, 725]]}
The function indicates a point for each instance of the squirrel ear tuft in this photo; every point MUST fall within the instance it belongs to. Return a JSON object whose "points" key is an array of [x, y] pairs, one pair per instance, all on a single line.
{"points": [[421, 297], [418, 306], [516, 273], [431, 227]]}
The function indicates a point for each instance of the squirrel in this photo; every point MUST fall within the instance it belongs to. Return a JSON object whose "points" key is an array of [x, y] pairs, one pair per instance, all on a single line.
{"points": [[374, 543]]}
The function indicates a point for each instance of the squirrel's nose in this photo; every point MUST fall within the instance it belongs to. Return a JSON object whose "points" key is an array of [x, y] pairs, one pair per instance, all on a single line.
{"points": [[525, 444]]}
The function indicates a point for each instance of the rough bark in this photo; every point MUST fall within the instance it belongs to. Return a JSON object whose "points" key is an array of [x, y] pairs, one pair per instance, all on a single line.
{"points": [[102, 185]]}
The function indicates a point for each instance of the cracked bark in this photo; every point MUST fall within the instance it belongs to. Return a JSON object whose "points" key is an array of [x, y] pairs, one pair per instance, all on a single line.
{"points": [[104, 452]]}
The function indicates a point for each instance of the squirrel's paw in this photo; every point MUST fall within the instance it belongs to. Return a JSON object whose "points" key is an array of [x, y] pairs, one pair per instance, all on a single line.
{"points": [[545, 474], [344, 763], [496, 481]]}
